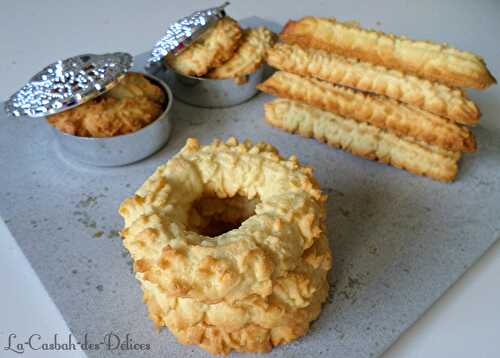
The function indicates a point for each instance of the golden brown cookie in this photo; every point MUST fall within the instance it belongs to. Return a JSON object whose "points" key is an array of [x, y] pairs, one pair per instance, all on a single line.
{"points": [[377, 110], [248, 57], [248, 289], [362, 139], [451, 103], [436, 62], [131, 105], [211, 50], [136, 85]]}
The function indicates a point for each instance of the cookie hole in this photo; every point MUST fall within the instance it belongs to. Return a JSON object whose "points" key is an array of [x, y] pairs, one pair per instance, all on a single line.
{"points": [[212, 216]]}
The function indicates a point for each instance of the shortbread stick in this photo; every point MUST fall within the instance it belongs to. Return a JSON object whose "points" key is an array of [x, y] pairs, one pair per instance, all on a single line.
{"points": [[436, 62], [362, 139], [211, 50], [248, 57], [451, 103], [377, 110]]}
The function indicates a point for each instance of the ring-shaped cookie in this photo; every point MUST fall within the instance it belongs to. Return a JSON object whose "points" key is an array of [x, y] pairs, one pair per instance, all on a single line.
{"points": [[249, 288]]}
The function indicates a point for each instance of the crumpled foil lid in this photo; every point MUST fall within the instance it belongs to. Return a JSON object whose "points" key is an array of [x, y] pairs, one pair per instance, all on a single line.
{"points": [[183, 32], [66, 84]]}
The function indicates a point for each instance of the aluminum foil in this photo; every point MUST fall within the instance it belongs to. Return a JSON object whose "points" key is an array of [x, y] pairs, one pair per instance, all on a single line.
{"points": [[183, 32], [67, 83]]}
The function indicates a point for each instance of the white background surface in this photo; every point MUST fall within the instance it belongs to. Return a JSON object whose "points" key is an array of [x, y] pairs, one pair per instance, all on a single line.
{"points": [[464, 323]]}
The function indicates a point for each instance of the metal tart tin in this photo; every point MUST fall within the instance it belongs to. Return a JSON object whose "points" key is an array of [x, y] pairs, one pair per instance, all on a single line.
{"points": [[123, 149], [212, 93]]}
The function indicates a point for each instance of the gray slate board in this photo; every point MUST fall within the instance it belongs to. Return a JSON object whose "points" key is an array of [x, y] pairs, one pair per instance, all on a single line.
{"points": [[399, 241]]}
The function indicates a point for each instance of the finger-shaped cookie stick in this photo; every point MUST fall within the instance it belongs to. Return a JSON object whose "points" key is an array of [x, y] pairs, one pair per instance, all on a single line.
{"points": [[377, 110], [362, 139], [425, 59], [434, 97]]}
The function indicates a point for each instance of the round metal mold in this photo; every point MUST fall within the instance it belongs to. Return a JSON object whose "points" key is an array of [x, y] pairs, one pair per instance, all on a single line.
{"points": [[123, 149], [211, 93]]}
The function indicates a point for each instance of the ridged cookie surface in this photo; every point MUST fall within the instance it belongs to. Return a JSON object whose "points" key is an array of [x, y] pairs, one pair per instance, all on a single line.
{"points": [[377, 110], [129, 106], [247, 289], [362, 139], [451, 103], [425, 59], [248, 57], [136, 85], [211, 50]]}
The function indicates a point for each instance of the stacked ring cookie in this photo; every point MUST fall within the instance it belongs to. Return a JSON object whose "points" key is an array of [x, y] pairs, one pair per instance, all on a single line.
{"points": [[246, 289]]}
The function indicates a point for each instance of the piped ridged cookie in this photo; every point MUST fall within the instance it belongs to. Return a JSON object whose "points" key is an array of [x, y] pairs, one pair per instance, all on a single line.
{"points": [[129, 106], [362, 139], [380, 111], [216, 46], [437, 62], [451, 103], [248, 57]]}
